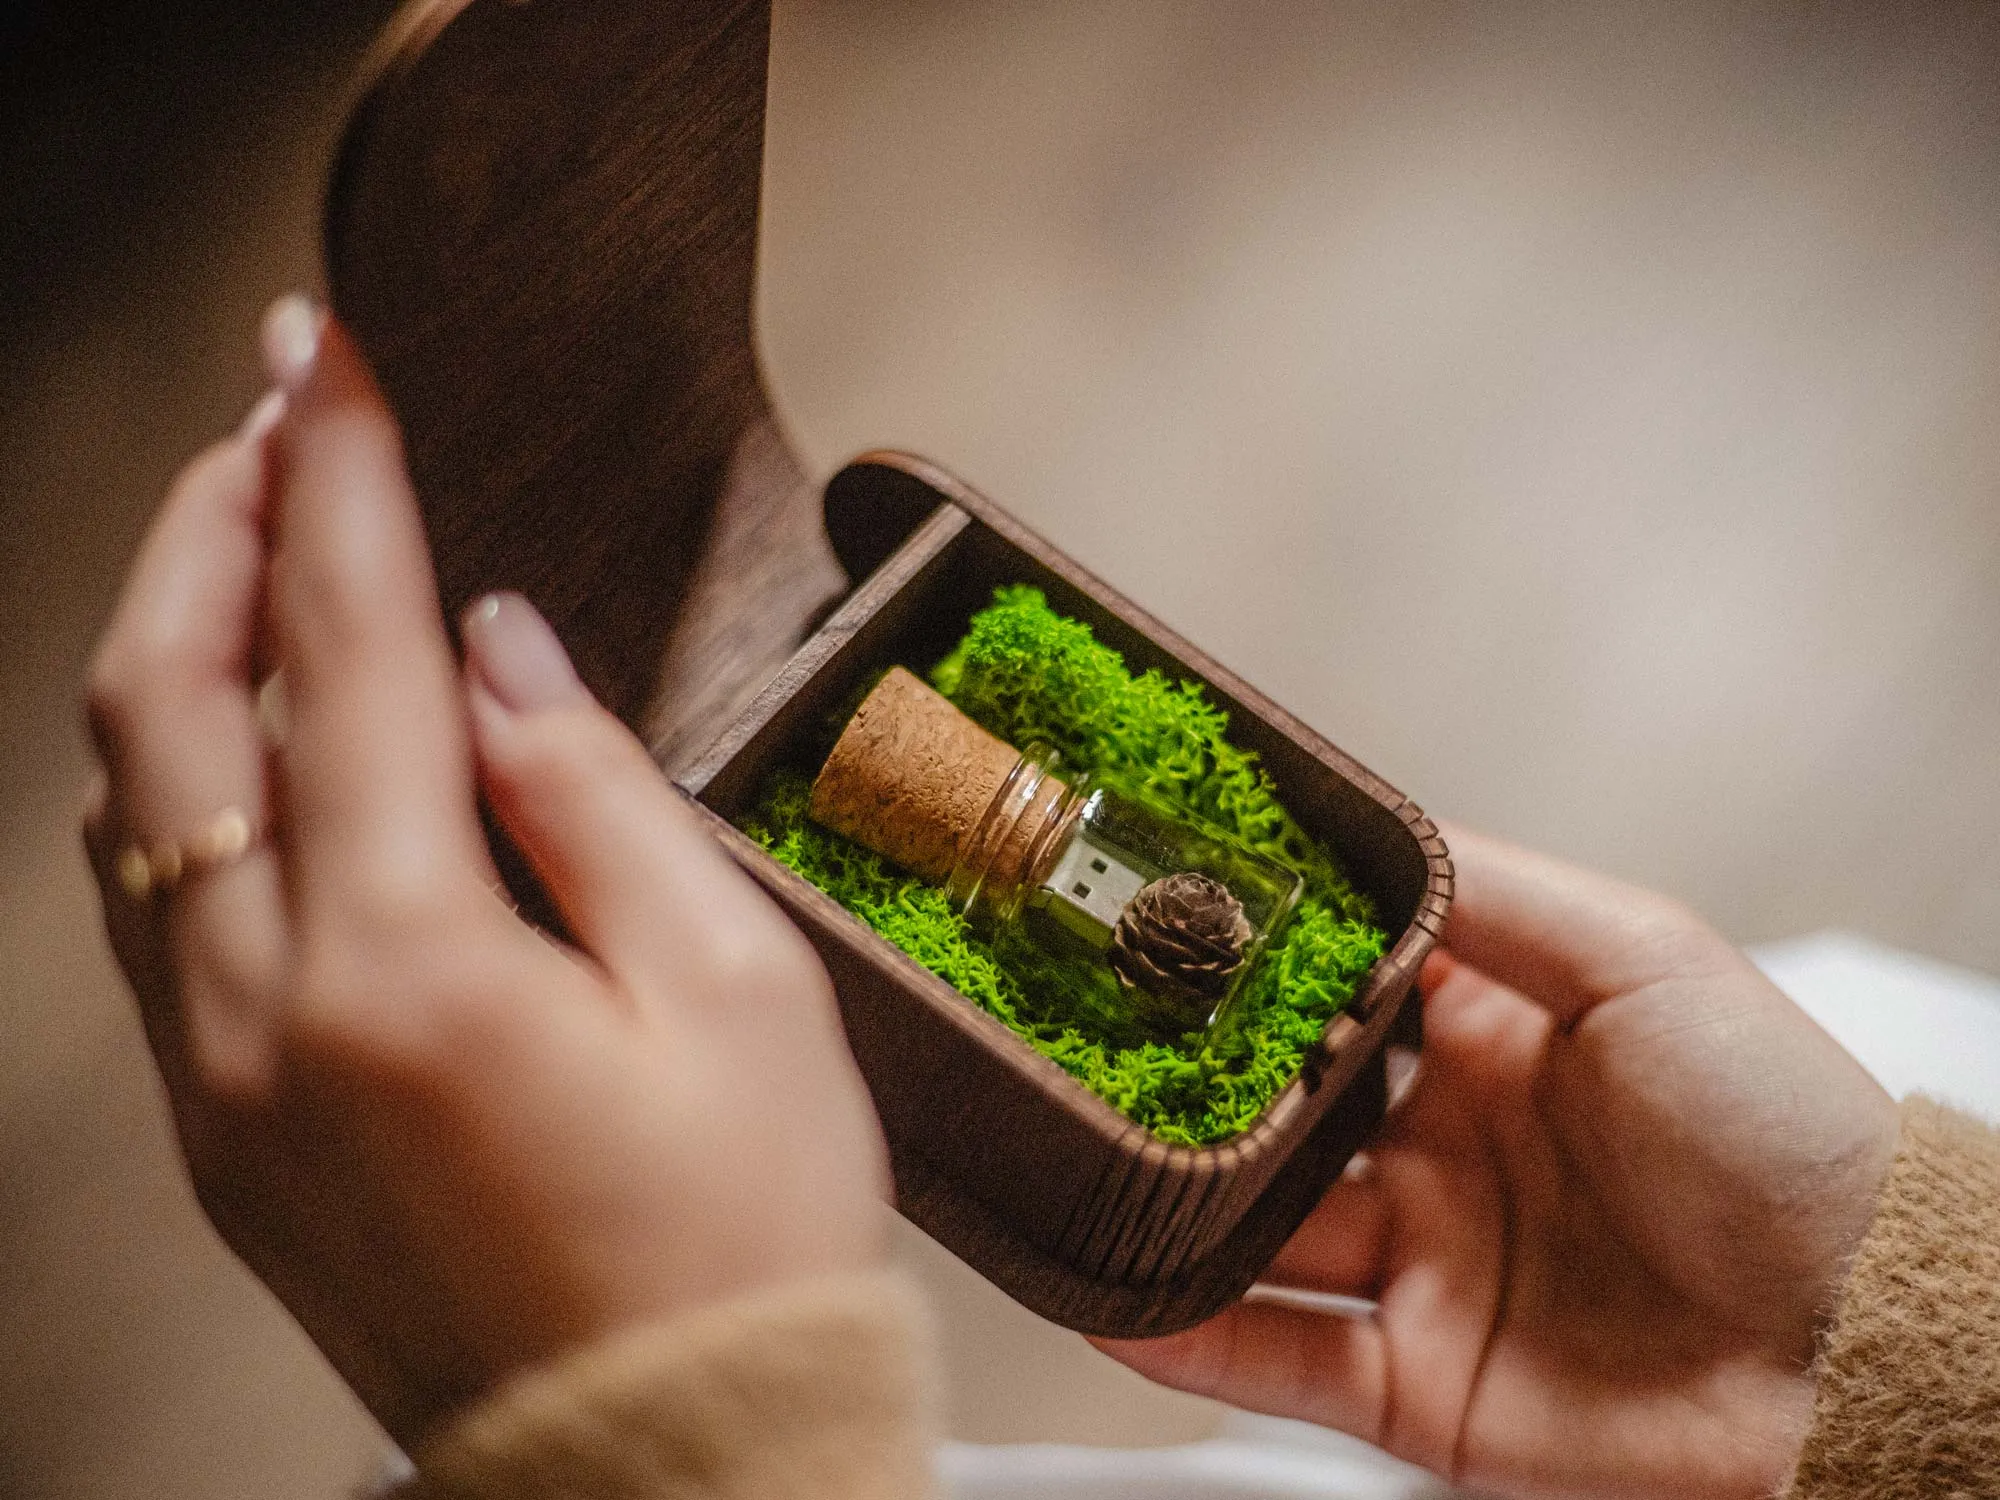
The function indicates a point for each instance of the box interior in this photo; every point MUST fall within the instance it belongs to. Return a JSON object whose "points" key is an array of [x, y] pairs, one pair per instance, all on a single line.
{"points": [[916, 605]]}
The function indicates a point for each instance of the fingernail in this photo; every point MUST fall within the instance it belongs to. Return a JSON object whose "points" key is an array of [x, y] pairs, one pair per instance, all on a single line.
{"points": [[517, 656], [263, 417], [291, 334]]}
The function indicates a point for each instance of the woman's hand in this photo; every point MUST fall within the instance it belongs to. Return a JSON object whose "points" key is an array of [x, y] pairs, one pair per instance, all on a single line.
{"points": [[1604, 1225], [450, 1145]]}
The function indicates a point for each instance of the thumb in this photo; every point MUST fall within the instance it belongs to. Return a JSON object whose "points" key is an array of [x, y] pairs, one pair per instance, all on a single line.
{"points": [[643, 887], [1568, 938]]}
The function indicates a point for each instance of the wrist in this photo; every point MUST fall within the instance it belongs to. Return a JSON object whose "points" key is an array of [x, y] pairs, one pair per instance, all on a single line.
{"points": [[1851, 1198], [813, 1386]]}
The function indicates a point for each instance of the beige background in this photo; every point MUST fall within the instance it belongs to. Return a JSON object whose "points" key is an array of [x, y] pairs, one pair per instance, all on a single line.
{"points": [[1584, 414]]}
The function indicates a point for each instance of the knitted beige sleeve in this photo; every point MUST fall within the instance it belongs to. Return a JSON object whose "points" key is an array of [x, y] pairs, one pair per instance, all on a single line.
{"points": [[1908, 1401], [817, 1389]]}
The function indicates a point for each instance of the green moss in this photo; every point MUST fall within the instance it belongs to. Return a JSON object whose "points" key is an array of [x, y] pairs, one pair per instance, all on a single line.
{"points": [[1027, 673]]}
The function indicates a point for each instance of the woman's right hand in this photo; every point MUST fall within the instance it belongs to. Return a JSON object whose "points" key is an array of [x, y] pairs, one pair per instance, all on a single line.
{"points": [[450, 1145], [1605, 1225]]}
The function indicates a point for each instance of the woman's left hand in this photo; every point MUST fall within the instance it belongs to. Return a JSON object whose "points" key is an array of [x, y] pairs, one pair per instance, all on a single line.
{"points": [[452, 1146]]}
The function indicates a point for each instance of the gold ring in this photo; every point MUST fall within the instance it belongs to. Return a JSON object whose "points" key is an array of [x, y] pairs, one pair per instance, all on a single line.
{"points": [[145, 873]]}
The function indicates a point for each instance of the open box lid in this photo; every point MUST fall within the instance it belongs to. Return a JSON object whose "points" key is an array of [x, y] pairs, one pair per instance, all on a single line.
{"points": [[541, 228]]}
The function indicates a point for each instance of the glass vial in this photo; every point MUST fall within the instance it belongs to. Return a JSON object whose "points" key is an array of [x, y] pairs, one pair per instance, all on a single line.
{"points": [[1175, 912]]}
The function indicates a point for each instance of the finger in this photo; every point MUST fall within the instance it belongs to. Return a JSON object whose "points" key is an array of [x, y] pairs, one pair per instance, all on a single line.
{"points": [[377, 780], [642, 886], [1565, 937], [172, 713], [175, 657], [137, 939], [1276, 1360], [1342, 1246], [1478, 1027]]}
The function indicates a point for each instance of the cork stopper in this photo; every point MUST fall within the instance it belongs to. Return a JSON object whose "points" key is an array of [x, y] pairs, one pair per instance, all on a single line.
{"points": [[911, 777]]}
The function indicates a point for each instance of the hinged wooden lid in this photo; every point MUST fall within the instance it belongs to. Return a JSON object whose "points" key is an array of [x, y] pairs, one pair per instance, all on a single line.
{"points": [[542, 229]]}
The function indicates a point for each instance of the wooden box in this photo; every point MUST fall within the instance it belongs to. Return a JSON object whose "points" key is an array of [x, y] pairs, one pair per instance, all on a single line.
{"points": [[542, 229]]}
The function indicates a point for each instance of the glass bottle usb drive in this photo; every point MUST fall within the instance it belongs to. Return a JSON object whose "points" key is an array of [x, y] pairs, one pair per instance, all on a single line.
{"points": [[1177, 912]]}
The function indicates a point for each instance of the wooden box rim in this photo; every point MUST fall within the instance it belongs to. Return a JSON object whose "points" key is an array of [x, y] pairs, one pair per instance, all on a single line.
{"points": [[1319, 1067]]}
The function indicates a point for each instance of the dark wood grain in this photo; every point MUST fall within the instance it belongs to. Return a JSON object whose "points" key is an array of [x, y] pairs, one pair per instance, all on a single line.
{"points": [[542, 230]]}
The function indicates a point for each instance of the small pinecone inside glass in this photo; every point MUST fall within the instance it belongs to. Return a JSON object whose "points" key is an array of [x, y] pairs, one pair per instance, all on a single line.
{"points": [[1183, 933]]}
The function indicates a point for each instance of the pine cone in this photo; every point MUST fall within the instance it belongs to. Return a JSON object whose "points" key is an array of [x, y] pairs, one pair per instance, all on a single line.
{"points": [[1183, 933]]}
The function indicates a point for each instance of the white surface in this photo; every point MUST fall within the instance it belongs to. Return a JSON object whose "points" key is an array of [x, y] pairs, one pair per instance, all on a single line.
{"points": [[1255, 1458], [1917, 1025]]}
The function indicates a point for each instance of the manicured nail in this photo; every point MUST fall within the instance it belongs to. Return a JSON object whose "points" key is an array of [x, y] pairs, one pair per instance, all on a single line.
{"points": [[517, 657], [263, 417], [291, 333]]}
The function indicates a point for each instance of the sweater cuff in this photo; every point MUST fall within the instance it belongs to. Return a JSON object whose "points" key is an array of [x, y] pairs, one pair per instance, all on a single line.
{"points": [[812, 1389], [1908, 1394]]}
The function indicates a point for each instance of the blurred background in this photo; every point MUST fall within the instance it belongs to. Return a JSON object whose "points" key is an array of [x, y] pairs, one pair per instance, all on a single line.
{"points": [[1588, 415]]}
